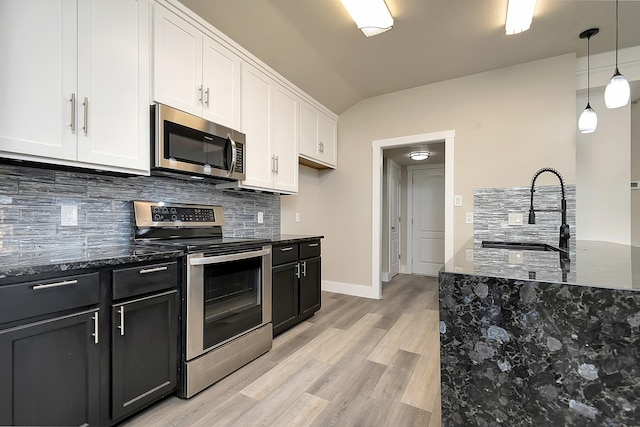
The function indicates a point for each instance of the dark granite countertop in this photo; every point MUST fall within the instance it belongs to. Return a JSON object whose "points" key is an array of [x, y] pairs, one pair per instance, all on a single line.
{"points": [[593, 264], [285, 239], [78, 257]]}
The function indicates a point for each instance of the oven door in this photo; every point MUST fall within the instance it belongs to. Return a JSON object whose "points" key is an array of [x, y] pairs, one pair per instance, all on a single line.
{"points": [[228, 295]]}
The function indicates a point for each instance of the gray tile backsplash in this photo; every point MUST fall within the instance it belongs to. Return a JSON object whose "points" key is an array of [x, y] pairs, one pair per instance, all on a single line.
{"points": [[491, 207], [30, 200]]}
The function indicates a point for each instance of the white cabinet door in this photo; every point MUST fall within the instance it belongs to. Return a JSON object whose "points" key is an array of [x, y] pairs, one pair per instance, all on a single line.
{"points": [[327, 129], [113, 116], [37, 77], [177, 62], [317, 137], [257, 125], [221, 83], [285, 140]]}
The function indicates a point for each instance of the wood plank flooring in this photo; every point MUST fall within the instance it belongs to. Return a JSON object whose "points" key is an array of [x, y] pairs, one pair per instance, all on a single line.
{"points": [[357, 362]]}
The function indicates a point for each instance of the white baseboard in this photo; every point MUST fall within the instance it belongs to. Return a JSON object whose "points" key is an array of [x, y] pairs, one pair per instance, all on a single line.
{"points": [[349, 289]]}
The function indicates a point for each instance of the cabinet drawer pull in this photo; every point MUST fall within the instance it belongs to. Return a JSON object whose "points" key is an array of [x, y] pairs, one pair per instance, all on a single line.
{"points": [[290, 248], [313, 245], [121, 327], [55, 285], [95, 328], [153, 270]]}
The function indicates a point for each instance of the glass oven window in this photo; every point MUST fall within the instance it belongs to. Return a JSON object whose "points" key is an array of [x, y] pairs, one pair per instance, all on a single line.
{"points": [[233, 300]]}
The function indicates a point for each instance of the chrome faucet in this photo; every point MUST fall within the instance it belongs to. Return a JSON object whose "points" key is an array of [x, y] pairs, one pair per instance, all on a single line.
{"points": [[564, 227]]}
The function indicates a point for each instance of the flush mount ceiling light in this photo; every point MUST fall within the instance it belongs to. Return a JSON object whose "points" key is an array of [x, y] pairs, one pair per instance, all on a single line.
{"points": [[371, 16], [617, 91], [419, 155], [588, 119], [519, 16]]}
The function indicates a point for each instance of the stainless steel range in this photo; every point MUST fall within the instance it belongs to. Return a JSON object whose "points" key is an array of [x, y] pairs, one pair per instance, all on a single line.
{"points": [[226, 297]]}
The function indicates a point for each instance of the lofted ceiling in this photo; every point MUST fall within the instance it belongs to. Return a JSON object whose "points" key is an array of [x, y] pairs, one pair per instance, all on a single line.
{"points": [[315, 44]]}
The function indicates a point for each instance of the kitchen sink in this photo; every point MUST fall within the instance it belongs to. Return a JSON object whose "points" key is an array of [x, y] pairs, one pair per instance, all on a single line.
{"points": [[521, 246]]}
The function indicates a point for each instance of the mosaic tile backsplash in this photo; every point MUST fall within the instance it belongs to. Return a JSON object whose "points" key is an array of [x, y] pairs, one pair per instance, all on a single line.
{"points": [[492, 206], [30, 200]]}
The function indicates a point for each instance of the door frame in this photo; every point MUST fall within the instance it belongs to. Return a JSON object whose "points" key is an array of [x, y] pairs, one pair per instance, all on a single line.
{"points": [[410, 171], [378, 145], [386, 276]]}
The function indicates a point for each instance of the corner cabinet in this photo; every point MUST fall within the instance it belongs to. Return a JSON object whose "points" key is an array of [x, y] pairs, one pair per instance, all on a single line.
{"points": [[194, 73], [318, 138], [270, 121], [77, 90], [296, 282]]}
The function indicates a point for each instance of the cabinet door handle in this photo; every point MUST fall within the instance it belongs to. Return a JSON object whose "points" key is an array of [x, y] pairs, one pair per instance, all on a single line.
{"points": [[73, 112], [304, 269], [200, 94], [153, 270], [85, 106], [206, 99], [121, 327], [276, 159], [298, 270], [313, 245], [290, 248], [55, 285], [95, 328]]}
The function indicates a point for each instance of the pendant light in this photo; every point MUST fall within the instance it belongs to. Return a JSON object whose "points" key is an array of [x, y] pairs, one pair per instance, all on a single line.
{"points": [[617, 91], [588, 119]]}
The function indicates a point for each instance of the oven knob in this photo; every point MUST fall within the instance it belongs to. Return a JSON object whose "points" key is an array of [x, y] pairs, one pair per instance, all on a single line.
{"points": [[157, 217], [174, 217], [173, 210]]}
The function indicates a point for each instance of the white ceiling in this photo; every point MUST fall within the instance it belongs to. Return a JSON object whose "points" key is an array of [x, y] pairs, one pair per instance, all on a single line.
{"points": [[316, 45]]}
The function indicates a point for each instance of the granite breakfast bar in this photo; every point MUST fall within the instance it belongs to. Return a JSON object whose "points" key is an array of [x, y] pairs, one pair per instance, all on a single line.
{"points": [[526, 339]]}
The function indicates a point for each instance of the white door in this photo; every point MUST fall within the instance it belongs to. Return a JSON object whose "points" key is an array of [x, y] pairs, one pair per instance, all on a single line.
{"points": [[285, 140], [38, 41], [113, 80], [427, 198], [177, 62], [394, 217]]}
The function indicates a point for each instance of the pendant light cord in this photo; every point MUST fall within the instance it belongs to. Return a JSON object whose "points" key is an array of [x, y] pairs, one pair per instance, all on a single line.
{"points": [[616, 35], [588, 66]]}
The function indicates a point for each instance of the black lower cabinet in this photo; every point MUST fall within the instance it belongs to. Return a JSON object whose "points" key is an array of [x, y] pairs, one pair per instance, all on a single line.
{"points": [[49, 372], [144, 352], [296, 283]]}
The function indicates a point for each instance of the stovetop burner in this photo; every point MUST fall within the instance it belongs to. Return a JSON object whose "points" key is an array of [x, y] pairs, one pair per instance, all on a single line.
{"points": [[193, 228]]}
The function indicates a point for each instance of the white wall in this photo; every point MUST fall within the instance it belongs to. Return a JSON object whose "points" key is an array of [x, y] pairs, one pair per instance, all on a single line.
{"points": [[306, 203], [508, 123], [635, 173], [603, 173]]}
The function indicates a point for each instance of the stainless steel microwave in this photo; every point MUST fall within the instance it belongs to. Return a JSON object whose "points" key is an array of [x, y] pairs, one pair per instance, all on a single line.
{"points": [[191, 146]]}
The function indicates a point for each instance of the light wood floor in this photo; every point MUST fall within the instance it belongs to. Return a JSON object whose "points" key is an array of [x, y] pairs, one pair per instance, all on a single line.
{"points": [[357, 362]]}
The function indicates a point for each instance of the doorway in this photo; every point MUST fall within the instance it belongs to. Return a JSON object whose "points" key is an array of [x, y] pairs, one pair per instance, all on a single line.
{"points": [[378, 146]]}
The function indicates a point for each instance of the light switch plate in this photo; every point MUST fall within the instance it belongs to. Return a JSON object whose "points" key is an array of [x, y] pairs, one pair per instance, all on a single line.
{"points": [[469, 217], [457, 201], [297, 216], [260, 217], [515, 257]]}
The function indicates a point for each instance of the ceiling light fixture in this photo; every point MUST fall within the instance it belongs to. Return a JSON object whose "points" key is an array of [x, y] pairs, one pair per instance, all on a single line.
{"points": [[371, 16], [519, 16], [419, 155], [617, 91], [588, 120]]}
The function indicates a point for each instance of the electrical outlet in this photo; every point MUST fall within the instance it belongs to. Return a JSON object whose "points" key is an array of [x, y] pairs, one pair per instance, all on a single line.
{"points": [[68, 215], [457, 201], [515, 257], [515, 219], [469, 217], [260, 217], [297, 216]]}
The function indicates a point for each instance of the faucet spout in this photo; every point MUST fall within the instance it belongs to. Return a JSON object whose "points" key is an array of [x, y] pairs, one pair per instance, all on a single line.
{"points": [[564, 227]]}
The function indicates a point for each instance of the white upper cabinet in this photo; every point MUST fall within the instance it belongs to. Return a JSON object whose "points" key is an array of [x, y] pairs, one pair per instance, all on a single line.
{"points": [[192, 72], [75, 83], [270, 122], [318, 137]]}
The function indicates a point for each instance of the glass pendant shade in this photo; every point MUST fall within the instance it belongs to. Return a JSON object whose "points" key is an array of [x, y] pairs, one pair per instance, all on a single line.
{"points": [[617, 92], [588, 121]]}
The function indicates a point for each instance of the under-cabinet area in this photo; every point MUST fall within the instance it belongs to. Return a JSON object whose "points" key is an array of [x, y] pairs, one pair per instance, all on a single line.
{"points": [[88, 348], [296, 281]]}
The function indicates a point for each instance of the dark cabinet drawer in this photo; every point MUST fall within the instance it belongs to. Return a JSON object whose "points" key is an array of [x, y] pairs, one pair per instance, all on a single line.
{"points": [[29, 299], [284, 254], [128, 282], [310, 249]]}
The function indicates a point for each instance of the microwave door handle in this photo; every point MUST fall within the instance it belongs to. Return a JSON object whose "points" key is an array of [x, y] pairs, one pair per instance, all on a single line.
{"points": [[234, 155], [227, 258]]}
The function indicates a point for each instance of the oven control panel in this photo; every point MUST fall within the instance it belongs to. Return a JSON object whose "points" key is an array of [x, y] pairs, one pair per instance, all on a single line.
{"points": [[159, 214]]}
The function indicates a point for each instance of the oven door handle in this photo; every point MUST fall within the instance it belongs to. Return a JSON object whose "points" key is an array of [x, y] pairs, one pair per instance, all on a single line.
{"points": [[226, 258]]}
